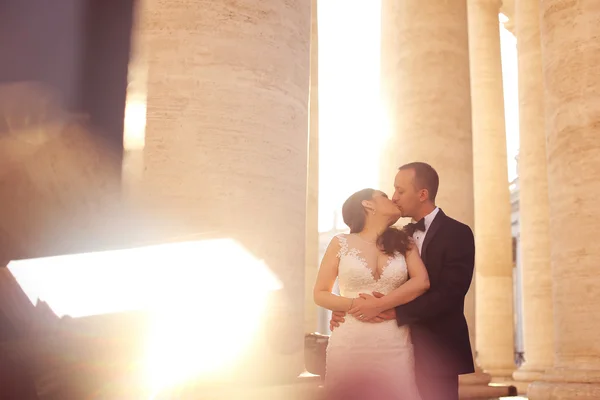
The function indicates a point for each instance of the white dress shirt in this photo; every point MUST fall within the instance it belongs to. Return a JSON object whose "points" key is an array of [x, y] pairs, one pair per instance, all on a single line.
{"points": [[419, 236]]}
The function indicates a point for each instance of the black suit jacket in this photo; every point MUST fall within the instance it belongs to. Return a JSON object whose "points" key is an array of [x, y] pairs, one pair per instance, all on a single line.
{"points": [[438, 326]]}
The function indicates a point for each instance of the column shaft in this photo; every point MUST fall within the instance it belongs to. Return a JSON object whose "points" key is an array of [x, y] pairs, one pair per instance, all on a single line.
{"points": [[533, 197], [225, 151], [312, 204], [571, 56], [426, 98], [494, 298], [425, 86]]}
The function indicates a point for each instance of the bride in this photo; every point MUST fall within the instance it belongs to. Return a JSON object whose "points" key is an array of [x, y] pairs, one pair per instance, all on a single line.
{"points": [[368, 360]]}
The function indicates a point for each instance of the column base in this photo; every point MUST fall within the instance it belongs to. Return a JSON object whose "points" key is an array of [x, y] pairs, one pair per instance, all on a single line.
{"points": [[477, 386], [484, 392], [477, 378], [528, 375], [520, 387], [501, 373], [563, 391], [566, 384]]}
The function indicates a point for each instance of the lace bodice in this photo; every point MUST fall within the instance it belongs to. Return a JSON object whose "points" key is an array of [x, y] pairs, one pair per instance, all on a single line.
{"points": [[363, 269]]}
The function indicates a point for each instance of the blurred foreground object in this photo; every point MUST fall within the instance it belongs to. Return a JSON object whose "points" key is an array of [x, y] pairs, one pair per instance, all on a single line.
{"points": [[315, 348], [139, 329], [54, 176], [59, 190], [224, 328]]}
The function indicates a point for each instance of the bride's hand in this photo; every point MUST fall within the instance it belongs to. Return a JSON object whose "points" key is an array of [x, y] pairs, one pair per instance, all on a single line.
{"points": [[365, 307]]}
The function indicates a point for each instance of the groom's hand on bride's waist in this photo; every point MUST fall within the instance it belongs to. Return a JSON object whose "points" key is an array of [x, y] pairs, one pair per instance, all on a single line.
{"points": [[338, 317]]}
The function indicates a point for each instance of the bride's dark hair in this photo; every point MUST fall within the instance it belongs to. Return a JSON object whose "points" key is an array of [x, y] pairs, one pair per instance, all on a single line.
{"points": [[392, 240]]}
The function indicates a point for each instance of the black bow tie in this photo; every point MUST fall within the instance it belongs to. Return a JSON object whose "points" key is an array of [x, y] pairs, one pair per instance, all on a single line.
{"points": [[416, 226]]}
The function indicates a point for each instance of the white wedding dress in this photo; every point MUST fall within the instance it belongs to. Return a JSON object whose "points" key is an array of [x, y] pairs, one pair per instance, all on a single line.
{"points": [[361, 354]]}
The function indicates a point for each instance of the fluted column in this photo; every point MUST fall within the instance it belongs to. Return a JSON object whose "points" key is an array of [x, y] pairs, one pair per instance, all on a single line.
{"points": [[225, 152], [533, 197], [570, 59], [493, 239], [426, 98], [312, 204]]}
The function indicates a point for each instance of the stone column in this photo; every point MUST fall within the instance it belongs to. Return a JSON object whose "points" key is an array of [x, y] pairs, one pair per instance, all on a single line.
{"points": [[225, 152], [533, 197], [570, 59], [493, 239], [426, 98], [425, 90], [312, 204]]}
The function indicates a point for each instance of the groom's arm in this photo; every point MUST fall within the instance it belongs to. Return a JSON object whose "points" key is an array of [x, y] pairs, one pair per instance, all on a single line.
{"points": [[452, 285]]}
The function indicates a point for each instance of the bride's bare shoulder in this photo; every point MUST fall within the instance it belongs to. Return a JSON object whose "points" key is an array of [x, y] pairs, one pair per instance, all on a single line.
{"points": [[341, 236]]}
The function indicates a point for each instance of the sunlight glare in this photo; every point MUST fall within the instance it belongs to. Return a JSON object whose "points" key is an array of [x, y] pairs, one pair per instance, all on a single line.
{"points": [[510, 75], [186, 287], [353, 127], [351, 131], [193, 334], [135, 125]]}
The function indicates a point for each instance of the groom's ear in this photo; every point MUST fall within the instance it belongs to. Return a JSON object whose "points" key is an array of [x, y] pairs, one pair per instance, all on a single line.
{"points": [[423, 194]]}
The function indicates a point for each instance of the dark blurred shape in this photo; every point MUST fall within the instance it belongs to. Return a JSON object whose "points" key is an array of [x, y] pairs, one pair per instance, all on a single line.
{"points": [[43, 42], [86, 358], [44, 357], [15, 379], [26, 108], [60, 193], [79, 48], [107, 30], [63, 85], [59, 189]]}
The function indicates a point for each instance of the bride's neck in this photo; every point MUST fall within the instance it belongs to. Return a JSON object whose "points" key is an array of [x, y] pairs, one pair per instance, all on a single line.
{"points": [[373, 229]]}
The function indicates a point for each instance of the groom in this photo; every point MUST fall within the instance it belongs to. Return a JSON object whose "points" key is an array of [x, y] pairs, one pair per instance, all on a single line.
{"points": [[438, 326]]}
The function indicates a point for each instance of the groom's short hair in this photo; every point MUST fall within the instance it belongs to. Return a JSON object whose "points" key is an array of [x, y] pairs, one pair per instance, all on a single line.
{"points": [[426, 177]]}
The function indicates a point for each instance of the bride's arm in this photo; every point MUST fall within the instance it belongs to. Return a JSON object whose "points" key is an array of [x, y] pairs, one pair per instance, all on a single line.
{"points": [[413, 288], [328, 272], [370, 307]]}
